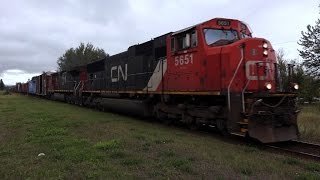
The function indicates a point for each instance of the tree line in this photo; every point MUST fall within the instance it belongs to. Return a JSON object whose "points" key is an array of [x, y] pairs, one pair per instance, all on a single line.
{"points": [[309, 85], [307, 73]]}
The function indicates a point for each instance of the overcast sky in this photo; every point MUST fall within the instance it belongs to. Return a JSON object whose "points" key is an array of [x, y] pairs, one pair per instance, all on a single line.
{"points": [[34, 33]]}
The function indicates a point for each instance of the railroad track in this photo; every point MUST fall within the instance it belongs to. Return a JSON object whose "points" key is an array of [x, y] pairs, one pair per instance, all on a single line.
{"points": [[297, 148]]}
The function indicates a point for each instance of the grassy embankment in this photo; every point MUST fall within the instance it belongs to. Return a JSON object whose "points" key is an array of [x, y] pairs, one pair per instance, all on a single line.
{"points": [[83, 143], [309, 123]]}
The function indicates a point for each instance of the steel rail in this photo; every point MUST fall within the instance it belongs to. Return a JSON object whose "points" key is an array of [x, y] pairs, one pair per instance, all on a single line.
{"points": [[297, 148]]}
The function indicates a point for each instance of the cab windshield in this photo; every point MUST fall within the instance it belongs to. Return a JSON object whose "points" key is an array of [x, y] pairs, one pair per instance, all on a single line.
{"points": [[219, 37], [245, 31]]}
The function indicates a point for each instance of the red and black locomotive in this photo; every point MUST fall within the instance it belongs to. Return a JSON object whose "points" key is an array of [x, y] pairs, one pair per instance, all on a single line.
{"points": [[211, 74]]}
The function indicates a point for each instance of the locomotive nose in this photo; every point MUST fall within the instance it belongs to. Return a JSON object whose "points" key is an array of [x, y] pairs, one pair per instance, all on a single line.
{"points": [[260, 65]]}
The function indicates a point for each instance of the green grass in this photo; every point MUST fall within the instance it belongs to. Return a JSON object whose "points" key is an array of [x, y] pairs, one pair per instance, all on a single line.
{"points": [[108, 145], [81, 143], [309, 123]]}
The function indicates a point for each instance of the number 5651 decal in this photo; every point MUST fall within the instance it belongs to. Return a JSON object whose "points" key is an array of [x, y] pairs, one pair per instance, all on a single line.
{"points": [[183, 60]]}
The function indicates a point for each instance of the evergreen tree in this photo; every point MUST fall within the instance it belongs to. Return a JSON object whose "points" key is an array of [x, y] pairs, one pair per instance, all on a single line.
{"points": [[310, 42], [2, 86]]}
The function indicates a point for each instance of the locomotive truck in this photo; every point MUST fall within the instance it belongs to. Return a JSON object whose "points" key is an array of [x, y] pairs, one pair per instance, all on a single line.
{"points": [[210, 74]]}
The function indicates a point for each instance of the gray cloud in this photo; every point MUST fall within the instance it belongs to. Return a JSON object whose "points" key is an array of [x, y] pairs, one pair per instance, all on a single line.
{"points": [[34, 34]]}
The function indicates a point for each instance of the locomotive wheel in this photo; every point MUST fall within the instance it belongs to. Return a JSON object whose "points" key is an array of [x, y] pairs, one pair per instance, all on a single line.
{"points": [[168, 121], [98, 107], [190, 122], [101, 108], [222, 126], [194, 126], [163, 117]]}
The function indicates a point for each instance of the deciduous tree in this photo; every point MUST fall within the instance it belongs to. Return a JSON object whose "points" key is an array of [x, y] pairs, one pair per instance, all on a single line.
{"points": [[282, 68], [309, 85], [79, 56]]}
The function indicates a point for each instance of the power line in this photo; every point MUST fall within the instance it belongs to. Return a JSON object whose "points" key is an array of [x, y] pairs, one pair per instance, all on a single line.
{"points": [[253, 10], [285, 42]]}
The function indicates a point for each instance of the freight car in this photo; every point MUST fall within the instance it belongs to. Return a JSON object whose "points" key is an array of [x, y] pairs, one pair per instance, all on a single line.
{"points": [[210, 74], [21, 87], [32, 86]]}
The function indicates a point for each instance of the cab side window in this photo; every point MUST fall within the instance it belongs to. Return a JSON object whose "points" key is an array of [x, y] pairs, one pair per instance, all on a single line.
{"points": [[194, 38], [184, 40]]}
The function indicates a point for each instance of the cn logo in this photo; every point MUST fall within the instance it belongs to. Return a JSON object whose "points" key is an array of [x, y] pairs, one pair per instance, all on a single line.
{"points": [[118, 73], [253, 70]]}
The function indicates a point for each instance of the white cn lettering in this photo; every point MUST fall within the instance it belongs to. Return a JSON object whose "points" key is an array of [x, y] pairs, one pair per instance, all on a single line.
{"points": [[114, 79], [251, 70], [119, 74]]}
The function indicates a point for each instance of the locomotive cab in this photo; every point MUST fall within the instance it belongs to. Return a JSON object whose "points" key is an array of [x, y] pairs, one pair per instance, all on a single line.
{"points": [[256, 107], [220, 57]]}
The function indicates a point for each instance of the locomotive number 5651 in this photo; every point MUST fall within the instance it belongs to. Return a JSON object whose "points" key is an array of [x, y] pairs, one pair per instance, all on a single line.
{"points": [[183, 60]]}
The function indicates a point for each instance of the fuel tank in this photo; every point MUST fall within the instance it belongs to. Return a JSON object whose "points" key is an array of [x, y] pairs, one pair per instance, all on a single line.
{"points": [[124, 106]]}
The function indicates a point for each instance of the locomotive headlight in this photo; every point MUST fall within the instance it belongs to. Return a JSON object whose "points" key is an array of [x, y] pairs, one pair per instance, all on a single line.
{"points": [[265, 52], [268, 86], [295, 86], [265, 45]]}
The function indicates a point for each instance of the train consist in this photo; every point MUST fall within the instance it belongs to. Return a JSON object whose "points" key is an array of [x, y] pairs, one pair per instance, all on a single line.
{"points": [[211, 74]]}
